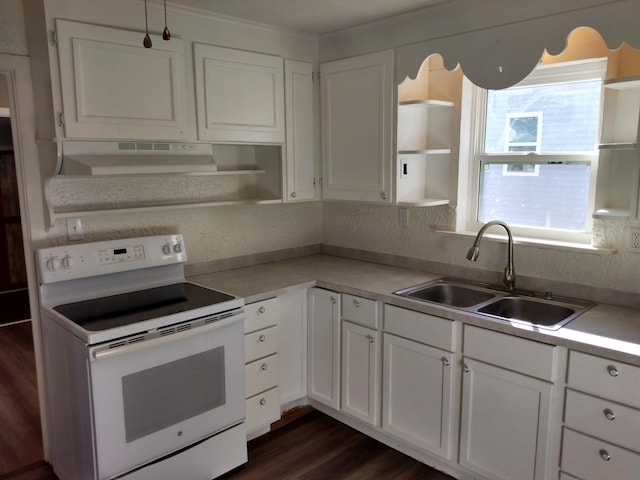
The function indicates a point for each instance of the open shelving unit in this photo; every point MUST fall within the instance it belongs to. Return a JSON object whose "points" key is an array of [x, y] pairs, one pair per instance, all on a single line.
{"points": [[619, 165]]}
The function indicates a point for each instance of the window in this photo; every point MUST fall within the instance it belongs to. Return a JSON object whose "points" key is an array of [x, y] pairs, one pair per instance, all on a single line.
{"points": [[533, 151]]}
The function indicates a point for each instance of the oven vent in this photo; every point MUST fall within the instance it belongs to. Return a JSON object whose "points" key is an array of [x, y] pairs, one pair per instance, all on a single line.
{"points": [[221, 316], [127, 341], [167, 331], [184, 327], [137, 339], [121, 343]]}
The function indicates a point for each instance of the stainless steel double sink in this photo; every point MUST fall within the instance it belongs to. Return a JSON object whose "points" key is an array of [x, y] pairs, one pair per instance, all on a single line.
{"points": [[527, 308]]}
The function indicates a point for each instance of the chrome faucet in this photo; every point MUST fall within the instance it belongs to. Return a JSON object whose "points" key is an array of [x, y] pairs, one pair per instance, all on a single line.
{"points": [[509, 272]]}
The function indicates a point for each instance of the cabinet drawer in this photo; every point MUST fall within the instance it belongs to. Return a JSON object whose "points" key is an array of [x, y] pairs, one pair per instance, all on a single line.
{"points": [[421, 327], [604, 419], [607, 378], [513, 353], [263, 409], [593, 459], [260, 344], [362, 311], [261, 314], [261, 375]]}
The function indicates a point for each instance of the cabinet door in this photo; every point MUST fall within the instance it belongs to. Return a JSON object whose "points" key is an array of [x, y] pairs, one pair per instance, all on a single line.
{"points": [[114, 88], [360, 372], [357, 118], [505, 423], [240, 95], [324, 347], [299, 129], [417, 385], [293, 346]]}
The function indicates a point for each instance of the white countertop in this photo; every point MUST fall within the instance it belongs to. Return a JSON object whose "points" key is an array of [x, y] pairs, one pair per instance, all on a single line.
{"points": [[604, 330]]}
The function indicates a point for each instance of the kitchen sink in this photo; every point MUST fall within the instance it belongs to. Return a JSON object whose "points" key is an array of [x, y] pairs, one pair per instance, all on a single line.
{"points": [[449, 294], [538, 312], [527, 309]]}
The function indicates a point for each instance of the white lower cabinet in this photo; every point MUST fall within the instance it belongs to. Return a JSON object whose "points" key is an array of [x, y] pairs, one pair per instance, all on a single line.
{"points": [[323, 355], [601, 434], [360, 378], [506, 414], [262, 364], [417, 394], [418, 380], [292, 349]]}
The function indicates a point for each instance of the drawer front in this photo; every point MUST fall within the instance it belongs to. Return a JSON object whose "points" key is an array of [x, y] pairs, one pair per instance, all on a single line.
{"points": [[261, 375], [606, 378], [262, 314], [421, 327], [513, 353], [263, 409], [604, 419], [362, 311], [593, 459], [260, 344]]}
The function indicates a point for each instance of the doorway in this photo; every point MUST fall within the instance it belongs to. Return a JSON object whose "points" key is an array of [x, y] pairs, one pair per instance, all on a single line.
{"points": [[14, 294]]}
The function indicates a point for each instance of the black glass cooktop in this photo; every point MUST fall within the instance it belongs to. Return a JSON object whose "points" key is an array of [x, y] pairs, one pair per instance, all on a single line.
{"points": [[114, 311]]}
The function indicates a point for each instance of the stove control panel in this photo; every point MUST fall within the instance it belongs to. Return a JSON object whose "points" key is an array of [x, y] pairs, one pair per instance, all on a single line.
{"points": [[68, 262]]}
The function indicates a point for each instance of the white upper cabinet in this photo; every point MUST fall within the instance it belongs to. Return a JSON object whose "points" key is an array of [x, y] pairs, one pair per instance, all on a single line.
{"points": [[300, 138], [114, 88], [239, 95], [357, 104]]}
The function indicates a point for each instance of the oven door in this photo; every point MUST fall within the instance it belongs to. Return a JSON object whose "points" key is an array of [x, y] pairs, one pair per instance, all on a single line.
{"points": [[157, 396]]}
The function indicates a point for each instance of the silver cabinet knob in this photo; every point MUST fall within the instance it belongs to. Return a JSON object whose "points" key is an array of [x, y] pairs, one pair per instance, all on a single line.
{"points": [[446, 362], [465, 368], [383, 195], [263, 401], [613, 371], [262, 338], [609, 414], [334, 300], [604, 455], [294, 194], [262, 309], [371, 339], [264, 367], [356, 303]]}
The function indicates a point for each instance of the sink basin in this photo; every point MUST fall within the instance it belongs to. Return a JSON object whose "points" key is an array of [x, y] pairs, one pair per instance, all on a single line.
{"points": [[537, 312], [531, 309], [449, 294]]}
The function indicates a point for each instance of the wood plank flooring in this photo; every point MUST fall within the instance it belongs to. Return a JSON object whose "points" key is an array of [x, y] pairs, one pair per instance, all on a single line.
{"points": [[305, 445]]}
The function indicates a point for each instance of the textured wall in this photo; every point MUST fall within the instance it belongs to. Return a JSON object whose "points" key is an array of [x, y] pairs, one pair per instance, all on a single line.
{"points": [[213, 233], [12, 34], [376, 228]]}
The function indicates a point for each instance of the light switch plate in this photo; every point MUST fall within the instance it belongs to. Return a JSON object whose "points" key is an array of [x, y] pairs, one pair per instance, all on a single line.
{"points": [[74, 229]]}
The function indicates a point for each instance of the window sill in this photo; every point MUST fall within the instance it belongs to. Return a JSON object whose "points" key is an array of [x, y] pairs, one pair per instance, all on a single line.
{"points": [[539, 243]]}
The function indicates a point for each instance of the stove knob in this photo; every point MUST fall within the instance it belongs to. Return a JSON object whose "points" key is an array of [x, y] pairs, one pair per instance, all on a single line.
{"points": [[177, 248], [68, 262], [53, 264], [166, 249]]}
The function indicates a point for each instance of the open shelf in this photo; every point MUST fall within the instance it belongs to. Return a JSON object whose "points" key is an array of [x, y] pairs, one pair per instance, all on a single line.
{"points": [[617, 146]]}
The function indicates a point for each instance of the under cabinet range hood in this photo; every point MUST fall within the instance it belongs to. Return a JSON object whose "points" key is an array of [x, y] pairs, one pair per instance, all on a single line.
{"points": [[136, 158]]}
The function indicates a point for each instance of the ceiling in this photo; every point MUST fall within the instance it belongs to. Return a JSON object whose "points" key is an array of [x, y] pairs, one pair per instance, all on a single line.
{"points": [[310, 16]]}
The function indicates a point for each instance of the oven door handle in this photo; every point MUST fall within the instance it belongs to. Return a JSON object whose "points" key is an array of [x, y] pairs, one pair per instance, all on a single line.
{"points": [[102, 353]]}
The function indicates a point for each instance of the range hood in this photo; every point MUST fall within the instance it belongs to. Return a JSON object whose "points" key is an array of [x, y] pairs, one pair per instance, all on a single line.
{"points": [[136, 158]]}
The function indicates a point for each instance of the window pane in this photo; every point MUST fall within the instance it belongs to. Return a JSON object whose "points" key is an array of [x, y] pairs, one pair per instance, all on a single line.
{"points": [[546, 196], [545, 118]]}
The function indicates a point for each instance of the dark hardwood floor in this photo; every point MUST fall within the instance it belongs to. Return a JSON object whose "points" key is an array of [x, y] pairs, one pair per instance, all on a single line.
{"points": [[305, 445]]}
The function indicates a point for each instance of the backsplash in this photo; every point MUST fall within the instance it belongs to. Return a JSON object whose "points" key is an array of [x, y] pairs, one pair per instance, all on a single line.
{"points": [[376, 228]]}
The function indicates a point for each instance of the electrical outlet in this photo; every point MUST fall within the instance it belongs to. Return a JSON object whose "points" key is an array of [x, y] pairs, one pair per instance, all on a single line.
{"points": [[634, 240], [74, 229]]}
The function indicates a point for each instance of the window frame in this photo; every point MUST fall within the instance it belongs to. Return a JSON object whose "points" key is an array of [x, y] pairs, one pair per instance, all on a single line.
{"points": [[473, 111]]}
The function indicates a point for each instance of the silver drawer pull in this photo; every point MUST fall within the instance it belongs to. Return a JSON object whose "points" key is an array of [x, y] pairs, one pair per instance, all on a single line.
{"points": [[445, 361], [609, 414], [264, 366], [613, 371], [604, 455], [465, 368], [370, 337], [263, 401], [262, 338], [334, 300], [262, 309], [356, 303]]}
